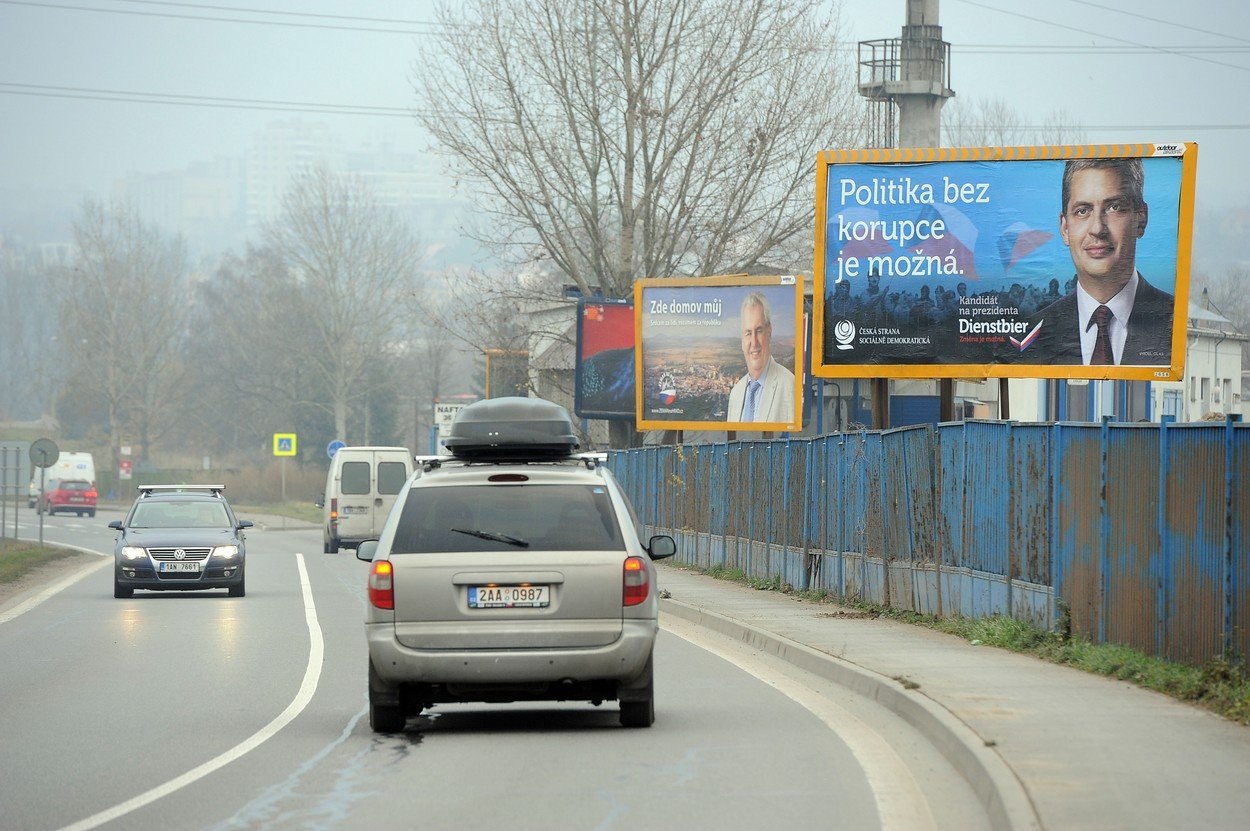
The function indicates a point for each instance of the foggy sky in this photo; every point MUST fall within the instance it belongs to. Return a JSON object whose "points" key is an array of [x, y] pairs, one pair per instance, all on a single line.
{"points": [[1137, 87]]}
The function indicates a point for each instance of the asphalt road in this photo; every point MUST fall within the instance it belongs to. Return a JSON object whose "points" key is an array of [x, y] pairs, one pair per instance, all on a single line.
{"points": [[196, 710]]}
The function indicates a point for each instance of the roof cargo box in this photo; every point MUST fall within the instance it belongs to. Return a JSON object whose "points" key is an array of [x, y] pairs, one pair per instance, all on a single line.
{"points": [[514, 428]]}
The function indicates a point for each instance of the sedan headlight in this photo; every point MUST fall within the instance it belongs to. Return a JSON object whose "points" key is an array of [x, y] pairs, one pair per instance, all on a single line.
{"points": [[226, 552], [133, 552]]}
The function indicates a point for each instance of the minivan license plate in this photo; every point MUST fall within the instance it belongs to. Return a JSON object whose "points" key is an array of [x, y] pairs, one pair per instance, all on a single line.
{"points": [[509, 597]]}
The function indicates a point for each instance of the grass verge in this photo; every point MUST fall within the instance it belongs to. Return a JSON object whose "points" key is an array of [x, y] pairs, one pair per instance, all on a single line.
{"points": [[20, 557], [1221, 685]]}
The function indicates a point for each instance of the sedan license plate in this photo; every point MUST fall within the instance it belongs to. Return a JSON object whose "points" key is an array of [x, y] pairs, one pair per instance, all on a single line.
{"points": [[509, 597], [192, 567]]}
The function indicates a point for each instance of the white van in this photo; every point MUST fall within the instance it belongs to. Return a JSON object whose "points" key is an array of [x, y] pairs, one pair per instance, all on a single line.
{"points": [[360, 489], [71, 465]]}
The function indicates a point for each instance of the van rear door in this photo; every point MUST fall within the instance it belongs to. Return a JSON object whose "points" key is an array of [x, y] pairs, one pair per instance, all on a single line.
{"points": [[391, 472], [356, 497]]}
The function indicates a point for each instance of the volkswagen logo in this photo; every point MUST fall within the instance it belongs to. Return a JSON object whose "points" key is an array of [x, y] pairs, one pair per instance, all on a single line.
{"points": [[180, 554]]}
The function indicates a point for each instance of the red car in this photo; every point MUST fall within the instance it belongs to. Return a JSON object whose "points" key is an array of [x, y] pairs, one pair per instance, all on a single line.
{"points": [[77, 495]]}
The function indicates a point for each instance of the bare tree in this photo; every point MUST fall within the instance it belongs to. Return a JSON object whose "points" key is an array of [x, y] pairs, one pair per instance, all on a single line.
{"points": [[27, 335], [1225, 294], [994, 122], [356, 264], [121, 306], [629, 138]]}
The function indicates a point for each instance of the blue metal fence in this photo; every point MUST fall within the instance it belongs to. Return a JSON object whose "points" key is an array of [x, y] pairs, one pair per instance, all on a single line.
{"points": [[1128, 533]]}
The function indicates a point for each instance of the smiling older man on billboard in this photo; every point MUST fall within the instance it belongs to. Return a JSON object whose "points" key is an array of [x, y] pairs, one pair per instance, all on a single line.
{"points": [[766, 392]]}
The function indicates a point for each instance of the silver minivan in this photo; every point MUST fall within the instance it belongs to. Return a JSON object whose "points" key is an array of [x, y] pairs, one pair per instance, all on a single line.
{"points": [[361, 486], [512, 571]]}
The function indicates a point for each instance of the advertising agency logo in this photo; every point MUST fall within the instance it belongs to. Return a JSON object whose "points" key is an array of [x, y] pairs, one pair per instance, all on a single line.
{"points": [[844, 334]]}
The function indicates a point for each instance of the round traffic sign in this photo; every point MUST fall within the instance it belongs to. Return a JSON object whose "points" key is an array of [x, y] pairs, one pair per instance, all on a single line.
{"points": [[44, 453], [334, 447]]}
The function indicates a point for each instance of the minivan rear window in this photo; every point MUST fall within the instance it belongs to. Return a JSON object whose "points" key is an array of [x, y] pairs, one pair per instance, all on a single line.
{"points": [[354, 478], [508, 518], [391, 476]]}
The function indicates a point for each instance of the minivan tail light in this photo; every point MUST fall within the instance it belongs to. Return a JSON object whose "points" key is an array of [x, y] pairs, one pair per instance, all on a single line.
{"points": [[636, 583], [382, 585], [334, 509]]}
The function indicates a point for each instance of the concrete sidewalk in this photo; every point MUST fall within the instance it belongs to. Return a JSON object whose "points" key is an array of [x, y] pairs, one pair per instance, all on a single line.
{"points": [[1041, 744]]}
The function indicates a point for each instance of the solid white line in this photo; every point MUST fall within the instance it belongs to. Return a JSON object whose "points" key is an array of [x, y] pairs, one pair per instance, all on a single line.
{"points": [[901, 804], [31, 602], [312, 673]]}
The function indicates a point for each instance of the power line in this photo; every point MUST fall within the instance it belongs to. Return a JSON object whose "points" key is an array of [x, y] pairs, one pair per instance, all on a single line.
{"points": [[1136, 15], [1104, 35], [136, 97], [279, 13], [433, 27], [214, 19], [131, 96]]}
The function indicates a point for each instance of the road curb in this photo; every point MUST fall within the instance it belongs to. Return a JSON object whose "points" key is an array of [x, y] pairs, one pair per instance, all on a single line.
{"points": [[993, 781]]}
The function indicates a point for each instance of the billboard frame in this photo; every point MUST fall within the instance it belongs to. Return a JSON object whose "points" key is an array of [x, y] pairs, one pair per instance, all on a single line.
{"points": [[1187, 152], [736, 281], [578, 379]]}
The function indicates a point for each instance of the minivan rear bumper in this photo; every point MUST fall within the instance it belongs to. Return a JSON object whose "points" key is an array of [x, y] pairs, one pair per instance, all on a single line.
{"points": [[623, 660]]}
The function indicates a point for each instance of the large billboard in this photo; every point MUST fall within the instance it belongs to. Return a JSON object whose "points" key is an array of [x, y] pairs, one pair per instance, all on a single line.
{"points": [[1024, 262], [603, 385], [719, 353]]}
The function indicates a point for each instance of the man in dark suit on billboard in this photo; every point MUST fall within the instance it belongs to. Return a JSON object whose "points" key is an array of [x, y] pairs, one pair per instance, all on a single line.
{"points": [[1113, 316]]}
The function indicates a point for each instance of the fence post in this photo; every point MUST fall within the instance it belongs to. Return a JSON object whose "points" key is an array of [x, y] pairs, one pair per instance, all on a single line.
{"points": [[1228, 536], [1163, 585], [1056, 550], [940, 541], [1104, 529], [841, 535]]}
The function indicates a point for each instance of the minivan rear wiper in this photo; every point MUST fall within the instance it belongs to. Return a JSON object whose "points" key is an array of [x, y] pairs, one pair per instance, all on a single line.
{"points": [[489, 535]]}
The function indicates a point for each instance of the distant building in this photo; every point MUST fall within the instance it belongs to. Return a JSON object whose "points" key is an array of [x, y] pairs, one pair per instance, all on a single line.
{"points": [[281, 151], [1213, 383], [1213, 371]]}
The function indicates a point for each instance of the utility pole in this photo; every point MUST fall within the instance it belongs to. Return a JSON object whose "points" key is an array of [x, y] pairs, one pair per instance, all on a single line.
{"points": [[912, 73]]}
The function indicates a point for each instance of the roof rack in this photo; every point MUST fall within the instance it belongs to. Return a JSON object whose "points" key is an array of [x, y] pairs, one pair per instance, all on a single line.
{"points": [[512, 429], [148, 490]]}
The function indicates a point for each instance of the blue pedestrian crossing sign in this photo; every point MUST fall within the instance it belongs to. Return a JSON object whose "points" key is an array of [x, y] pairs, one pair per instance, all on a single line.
{"points": [[284, 444]]}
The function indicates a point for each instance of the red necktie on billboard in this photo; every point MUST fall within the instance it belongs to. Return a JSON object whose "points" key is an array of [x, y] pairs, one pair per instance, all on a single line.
{"points": [[1102, 341]]}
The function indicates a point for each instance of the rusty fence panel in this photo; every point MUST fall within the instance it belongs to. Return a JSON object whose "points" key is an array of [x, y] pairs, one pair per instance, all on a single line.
{"points": [[1077, 518], [1238, 639], [1129, 533], [1132, 559], [1193, 530], [949, 524], [1030, 525]]}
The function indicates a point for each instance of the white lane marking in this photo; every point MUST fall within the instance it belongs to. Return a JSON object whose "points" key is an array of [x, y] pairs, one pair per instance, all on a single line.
{"points": [[312, 673], [900, 802], [31, 602]]}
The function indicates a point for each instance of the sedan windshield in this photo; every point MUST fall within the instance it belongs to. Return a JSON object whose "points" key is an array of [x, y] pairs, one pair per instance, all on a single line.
{"points": [[508, 518], [180, 514]]}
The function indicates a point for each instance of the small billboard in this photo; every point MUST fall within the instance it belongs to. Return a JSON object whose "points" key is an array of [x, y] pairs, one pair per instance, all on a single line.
{"points": [[1041, 262], [719, 353], [604, 379]]}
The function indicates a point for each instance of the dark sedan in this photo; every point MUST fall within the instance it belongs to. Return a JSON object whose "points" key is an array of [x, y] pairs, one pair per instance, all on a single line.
{"points": [[179, 538]]}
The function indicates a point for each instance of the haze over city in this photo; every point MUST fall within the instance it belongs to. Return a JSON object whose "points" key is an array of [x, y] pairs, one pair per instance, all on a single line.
{"points": [[96, 92]]}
